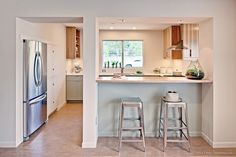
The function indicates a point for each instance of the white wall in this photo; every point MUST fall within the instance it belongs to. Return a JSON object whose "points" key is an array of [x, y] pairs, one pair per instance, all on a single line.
{"points": [[51, 34], [152, 45], [206, 60], [223, 13]]}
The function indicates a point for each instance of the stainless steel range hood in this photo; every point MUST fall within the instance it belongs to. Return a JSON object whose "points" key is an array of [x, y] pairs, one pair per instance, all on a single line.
{"points": [[180, 45]]}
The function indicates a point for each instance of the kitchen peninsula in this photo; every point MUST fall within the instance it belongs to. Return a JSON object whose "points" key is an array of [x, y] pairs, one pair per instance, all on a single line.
{"points": [[150, 90]]}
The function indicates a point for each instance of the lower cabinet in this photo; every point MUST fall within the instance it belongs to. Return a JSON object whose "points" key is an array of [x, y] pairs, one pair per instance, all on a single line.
{"points": [[74, 87]]}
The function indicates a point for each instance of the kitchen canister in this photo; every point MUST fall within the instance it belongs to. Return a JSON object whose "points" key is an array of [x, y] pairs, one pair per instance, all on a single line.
{"points": [[172, 96]]}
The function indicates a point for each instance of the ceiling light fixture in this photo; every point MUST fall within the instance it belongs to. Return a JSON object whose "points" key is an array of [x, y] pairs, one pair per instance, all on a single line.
{"points": [[122, 20], [180, 21]]}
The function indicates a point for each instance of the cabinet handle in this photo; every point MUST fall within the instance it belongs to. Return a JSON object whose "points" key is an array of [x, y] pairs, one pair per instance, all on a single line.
{"points": [[53, 69], [53, 84], [190, 52]]}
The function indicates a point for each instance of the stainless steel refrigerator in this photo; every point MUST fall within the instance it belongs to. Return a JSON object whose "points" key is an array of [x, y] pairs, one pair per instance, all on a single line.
{"points": [[34, 85]]}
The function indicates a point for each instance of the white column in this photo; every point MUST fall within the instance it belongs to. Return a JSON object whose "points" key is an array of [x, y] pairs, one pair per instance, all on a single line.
{"points": [[89, 83]]}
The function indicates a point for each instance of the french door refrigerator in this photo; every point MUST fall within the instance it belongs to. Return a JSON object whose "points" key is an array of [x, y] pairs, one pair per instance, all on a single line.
{"points": [[34, 85]]}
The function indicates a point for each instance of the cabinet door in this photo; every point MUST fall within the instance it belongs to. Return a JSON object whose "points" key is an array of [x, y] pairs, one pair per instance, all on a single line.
{"points": [[191, 40], [167, 42], [51, 70], [70, 42], [51, 95], [74, 87]]}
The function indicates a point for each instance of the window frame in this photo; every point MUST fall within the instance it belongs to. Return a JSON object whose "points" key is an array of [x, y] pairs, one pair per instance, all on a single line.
{"points": [[122, 51]]}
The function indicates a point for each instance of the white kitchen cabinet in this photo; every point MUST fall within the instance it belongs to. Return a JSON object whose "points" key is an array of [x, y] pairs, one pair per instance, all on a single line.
{"points": [[191, 41], [74, 87], [52, 85]]}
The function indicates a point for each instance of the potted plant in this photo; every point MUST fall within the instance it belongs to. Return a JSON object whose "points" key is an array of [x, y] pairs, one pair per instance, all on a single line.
{"points": [[194, 71]]}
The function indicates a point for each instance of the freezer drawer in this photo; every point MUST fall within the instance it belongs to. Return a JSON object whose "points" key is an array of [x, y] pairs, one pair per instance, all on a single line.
{"points": [[35, 114]]}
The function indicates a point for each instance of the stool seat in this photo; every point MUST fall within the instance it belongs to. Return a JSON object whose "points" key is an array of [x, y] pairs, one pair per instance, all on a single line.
{"points": [[133, 102], [163, 121]]}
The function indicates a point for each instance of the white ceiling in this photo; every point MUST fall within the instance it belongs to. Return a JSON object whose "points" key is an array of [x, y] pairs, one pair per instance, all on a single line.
{"points": [[106, 23], [67, 21], [54, 19]]}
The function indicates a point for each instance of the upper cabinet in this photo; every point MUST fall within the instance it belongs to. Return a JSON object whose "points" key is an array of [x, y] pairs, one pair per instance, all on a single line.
{"points": [[191, 41], [72, 43], [181, 41]]}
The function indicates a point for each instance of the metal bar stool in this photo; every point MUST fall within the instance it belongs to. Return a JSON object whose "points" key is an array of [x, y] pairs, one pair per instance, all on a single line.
{"points": [[164, 121], [132, 102]]}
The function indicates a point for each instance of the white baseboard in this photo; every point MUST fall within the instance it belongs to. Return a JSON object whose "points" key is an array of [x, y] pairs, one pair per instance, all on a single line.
{"points": [[61, 105], [8, 144], [207, 139], [19, 141], [89, 144], [224, 144]]}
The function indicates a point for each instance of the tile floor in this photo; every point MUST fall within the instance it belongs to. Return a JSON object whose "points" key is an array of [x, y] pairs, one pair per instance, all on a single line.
{"points": [[62, 137]]}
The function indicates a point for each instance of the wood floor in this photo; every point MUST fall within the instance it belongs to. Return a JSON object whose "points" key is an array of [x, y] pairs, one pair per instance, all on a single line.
{"points": [[62, 137]]}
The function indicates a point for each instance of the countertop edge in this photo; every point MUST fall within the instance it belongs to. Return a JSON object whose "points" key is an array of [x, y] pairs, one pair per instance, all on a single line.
{"points": [[150, 80]]}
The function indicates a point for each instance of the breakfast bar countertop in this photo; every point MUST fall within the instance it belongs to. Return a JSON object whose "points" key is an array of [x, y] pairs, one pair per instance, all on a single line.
{"points": [[150, 80]]}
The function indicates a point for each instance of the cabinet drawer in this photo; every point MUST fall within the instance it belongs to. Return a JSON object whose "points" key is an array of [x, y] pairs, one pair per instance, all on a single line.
{"points": [[74, 77]]}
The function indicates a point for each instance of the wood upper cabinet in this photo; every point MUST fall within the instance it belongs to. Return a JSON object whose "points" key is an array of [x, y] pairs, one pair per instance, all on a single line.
{"points": [[72, 43], [171, 37]]}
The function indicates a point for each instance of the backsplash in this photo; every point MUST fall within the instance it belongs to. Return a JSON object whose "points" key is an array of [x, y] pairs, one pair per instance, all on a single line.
{"points": [[70, 64]]}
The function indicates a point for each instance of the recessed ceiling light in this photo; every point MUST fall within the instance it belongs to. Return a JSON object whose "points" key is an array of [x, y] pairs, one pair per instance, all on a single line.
{"points": [[122, 20], [180, 21], [111, 27], [133, 28]]}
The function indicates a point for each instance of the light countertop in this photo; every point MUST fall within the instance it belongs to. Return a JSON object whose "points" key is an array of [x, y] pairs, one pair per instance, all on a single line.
{"points": [[150, 80]]}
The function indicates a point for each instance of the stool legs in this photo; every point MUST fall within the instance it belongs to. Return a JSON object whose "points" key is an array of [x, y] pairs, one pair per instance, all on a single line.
{"points": [[121, 125], [181, 125], [142, 132], [186, 118], [140, 128], [165, 126], [160, 119]]}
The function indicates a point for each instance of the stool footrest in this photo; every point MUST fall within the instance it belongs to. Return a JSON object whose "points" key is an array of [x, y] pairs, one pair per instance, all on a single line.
{"points": [[133, 119], [178, 141], [131, 129], [131, 140], [176, 128]]}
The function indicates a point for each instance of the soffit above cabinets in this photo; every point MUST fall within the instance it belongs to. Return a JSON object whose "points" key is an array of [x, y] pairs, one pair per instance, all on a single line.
{"points": [[153, 23], [53, 19]]}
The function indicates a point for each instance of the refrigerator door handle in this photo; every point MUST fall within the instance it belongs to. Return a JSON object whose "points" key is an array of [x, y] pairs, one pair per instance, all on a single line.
{"points": [[35, 69], [34, 101], [39, 70]]}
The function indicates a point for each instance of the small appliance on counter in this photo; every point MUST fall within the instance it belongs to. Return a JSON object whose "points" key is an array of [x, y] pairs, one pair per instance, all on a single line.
{"points": [[172, 96], [77, 68]]}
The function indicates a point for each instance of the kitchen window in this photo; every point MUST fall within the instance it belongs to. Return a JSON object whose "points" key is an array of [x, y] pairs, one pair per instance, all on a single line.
{"points": [[122, 53]]}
